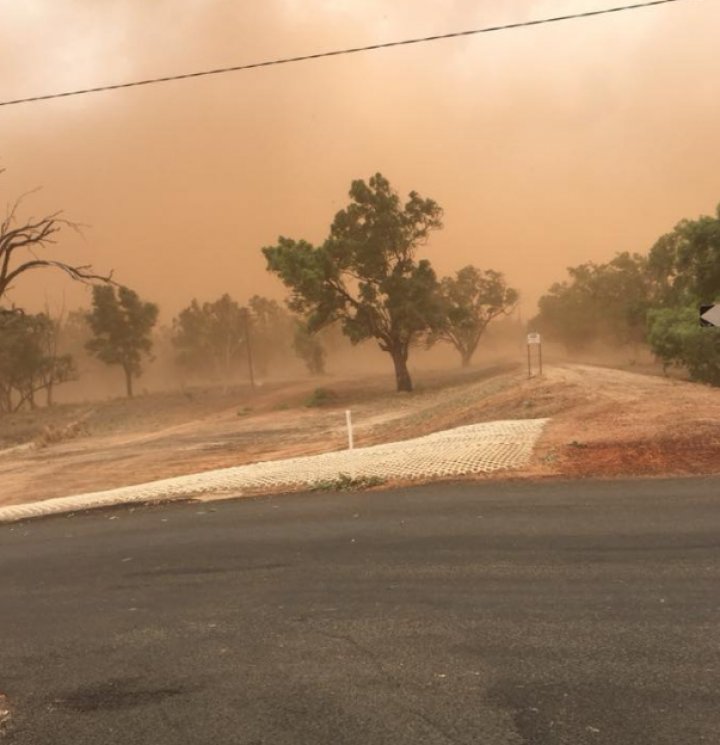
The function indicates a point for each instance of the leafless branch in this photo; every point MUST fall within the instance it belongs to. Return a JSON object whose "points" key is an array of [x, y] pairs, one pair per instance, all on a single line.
{"points": [[36, 233]]}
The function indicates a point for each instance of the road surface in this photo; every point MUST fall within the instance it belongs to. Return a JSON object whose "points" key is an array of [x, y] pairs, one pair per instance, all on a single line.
{"points": [[493, 613]]}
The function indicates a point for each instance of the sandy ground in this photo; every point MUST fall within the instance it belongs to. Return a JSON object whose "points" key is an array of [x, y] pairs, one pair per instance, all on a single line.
{"points": [[160, 436], [616, 423], [604, 422]]}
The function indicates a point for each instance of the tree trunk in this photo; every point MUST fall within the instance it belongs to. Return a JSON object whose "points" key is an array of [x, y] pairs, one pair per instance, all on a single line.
{"points": [[128, 382], [49, 401], [5, 400], [402, 376], [467, 351]]}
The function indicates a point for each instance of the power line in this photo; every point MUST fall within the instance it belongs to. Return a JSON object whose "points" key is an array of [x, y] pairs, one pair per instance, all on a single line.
{"points": [[336, 52]]}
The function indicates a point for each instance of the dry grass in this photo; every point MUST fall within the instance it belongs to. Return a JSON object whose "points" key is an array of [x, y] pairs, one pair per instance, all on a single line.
{"points": [[53, 435], [604, 422]]}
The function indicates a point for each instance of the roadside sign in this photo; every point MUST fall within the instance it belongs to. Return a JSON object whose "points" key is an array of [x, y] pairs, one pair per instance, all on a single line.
{"points": [[533, 341], [710, 315]]}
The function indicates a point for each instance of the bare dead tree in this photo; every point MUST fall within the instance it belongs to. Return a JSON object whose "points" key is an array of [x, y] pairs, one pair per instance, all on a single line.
{"points": [[19, 240]]}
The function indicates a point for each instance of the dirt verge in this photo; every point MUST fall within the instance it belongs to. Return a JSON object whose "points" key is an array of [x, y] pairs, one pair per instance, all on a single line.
{"points": [[604, 422]]}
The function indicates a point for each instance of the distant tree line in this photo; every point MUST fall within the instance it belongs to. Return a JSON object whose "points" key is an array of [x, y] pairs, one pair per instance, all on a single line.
{"points": [[29, 360], [651, 299], [365, 282], [221, 339], [39, 351], [211, 341]]}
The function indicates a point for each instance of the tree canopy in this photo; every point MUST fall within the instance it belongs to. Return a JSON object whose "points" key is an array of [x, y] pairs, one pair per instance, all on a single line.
{"points": [[272, 331], [684, 266], [218, 338], [685, 263], [366, 275], [677, 339], [600, 301], [210, 337], [470, 301], [653, 299], [309, 348], [29, 361], [121, 324]]}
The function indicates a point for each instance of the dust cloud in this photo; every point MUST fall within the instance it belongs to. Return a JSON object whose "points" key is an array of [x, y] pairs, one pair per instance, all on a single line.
{"points": [[546, 147]]}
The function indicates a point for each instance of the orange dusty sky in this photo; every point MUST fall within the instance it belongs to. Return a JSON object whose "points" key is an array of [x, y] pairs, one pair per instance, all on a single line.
{"points": [[546, 146]]}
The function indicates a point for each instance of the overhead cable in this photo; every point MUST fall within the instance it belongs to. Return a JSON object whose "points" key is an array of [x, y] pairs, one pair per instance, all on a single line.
{"points": [[336, 53]]}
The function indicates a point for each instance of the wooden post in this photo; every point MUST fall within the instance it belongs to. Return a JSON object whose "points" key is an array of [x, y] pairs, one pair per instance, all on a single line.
{"points": [[529, 365], [540, 357], [246, 316]]}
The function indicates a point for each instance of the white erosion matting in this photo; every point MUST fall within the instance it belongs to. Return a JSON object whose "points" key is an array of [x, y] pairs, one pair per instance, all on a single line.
{"points": [[475, 448]]}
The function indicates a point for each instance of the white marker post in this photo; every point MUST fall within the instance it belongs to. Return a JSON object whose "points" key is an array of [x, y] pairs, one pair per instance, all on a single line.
{"points": [[348, 421]]}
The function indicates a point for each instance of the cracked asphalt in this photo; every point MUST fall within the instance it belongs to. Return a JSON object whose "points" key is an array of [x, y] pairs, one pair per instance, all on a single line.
{"points": [[558, 613]]}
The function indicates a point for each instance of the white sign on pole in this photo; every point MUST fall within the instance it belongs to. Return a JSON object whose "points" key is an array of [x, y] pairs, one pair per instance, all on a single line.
{"points": [[533, 338]]}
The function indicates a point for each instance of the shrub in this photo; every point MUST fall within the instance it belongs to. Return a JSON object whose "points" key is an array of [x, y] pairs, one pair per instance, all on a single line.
{"points": [[321, 397], [345, 482], [677, 338]]}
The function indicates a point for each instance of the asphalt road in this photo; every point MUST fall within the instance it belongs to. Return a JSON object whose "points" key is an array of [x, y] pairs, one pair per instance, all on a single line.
{"points": [[560, 613]]}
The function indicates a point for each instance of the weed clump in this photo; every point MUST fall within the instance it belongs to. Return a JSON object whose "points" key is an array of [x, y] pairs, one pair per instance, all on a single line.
{"points": [[346, 482], [321, 397], [52, 435]]}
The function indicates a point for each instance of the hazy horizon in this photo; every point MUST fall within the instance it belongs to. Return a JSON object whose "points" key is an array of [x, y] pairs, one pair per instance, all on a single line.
{"points": [[546, 147]]}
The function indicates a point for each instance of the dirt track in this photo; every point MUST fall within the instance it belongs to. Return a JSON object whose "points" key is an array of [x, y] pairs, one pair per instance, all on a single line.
{"points": [[604, 422]]}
